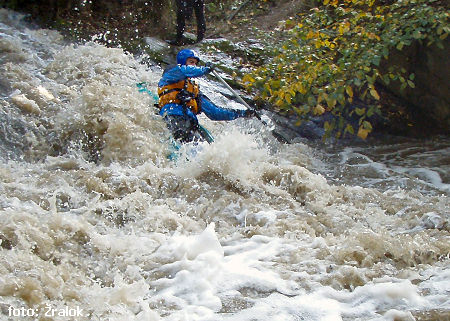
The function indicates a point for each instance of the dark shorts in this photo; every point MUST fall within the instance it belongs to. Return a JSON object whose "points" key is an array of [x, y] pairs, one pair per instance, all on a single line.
{"points": [[183, 129]]}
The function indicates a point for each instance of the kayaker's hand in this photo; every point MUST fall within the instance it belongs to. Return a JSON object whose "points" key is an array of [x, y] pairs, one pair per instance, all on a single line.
{"points": [[210, 67], [249, 113]]}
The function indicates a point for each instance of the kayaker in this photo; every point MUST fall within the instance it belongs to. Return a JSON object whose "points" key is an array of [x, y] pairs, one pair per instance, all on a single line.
{"points": [[181, 101]]}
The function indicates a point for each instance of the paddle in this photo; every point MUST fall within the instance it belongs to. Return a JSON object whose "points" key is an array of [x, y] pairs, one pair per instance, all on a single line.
{"points": [[277, 135]]}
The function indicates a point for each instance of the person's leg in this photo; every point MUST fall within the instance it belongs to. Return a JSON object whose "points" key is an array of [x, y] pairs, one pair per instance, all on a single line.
{"points": [[181, 20], [183, 129], [188, 9], [199, 8]]}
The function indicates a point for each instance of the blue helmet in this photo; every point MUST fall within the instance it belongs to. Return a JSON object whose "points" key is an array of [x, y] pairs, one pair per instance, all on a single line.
{"points": [[184, 54]]}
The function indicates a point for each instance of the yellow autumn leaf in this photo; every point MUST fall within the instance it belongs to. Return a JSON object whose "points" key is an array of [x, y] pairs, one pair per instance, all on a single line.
{"points": [[288, 98], [349, 129], [248, 79], [301, 88], [344, 27], [318, 110], [310, 35], [362, 132], [374, 94], [279, 102], [349, 91], [319, 98], [324, 96]]}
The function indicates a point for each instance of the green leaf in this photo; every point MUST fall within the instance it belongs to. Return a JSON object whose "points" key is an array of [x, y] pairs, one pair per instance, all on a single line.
{"points": [[376, 60], [331, 102], [349, 129], [312, 101], [367, 125], [341, 123], [417, 34], [360, 111], [374, 94]]}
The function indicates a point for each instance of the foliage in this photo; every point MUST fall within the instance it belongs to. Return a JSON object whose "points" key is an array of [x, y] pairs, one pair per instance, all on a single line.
{"points": [[333, 57]]}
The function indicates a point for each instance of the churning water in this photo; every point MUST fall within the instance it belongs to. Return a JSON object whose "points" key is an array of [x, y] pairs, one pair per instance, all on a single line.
{"points": [[98, 224]]}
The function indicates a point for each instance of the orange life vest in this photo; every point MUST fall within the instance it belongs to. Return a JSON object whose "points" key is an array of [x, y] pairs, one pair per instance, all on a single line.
{"points": [[168, 94]]}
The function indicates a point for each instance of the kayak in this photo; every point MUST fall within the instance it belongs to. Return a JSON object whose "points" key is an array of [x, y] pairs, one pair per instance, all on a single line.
{"points": [[175, 147]]}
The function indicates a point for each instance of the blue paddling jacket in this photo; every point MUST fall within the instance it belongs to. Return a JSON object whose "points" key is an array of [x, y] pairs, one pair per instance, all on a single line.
{"points": [[179, 77]]}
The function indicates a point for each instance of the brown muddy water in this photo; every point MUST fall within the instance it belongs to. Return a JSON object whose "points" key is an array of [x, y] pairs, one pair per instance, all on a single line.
{"points": [[98, 224]]}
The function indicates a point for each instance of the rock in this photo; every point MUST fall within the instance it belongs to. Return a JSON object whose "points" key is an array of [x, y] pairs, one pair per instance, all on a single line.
{"points": [[159, 50]]}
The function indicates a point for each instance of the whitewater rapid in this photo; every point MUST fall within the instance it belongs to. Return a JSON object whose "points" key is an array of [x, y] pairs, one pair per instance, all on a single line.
{"points": [[97, 223]]}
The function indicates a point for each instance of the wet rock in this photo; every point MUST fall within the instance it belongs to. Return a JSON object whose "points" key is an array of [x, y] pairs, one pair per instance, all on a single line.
{"points": [[159, 50], [5, 243]]}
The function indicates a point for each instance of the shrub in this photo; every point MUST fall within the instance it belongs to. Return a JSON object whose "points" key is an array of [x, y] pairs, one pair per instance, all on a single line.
{"points": [[333, 57]]}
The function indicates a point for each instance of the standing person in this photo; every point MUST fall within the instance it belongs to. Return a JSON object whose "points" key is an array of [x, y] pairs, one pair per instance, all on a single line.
{"points": [[181, 101], [184, 12]]}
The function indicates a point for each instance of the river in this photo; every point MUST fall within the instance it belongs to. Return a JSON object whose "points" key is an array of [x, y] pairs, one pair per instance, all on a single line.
{"points": [[97, 223]]}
